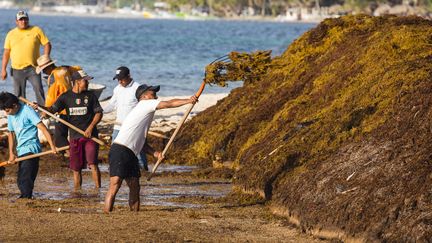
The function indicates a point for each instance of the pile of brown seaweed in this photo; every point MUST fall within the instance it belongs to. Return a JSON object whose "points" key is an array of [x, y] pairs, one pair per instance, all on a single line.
{"points": [[241, 67], [336, 133]]}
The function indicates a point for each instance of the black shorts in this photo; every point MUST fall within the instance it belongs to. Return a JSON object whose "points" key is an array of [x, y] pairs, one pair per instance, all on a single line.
{"points": [[123, 162]]}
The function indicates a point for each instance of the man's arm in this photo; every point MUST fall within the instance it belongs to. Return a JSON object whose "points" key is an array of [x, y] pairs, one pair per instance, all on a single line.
{"points": [[176, 102], [149, 150], [58, 105], [47, 135], [11, 144], [112, 103], [47, 48], [50, 109], [96, 119], [5, 61]]}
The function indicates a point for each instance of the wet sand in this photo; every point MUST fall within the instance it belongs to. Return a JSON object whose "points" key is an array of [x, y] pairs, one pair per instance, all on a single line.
{"points": [[157, 192], [175, 206], [179, 204]]}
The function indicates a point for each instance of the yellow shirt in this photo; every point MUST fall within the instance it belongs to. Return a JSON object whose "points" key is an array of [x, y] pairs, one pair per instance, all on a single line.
{"points": [[24, 46], [59, 82]]}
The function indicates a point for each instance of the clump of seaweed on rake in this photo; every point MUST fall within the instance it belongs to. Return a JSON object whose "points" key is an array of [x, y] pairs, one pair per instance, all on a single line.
{"points": [[238, 67]]}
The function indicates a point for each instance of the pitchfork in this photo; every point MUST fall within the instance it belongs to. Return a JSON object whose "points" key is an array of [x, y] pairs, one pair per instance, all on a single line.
{"points": [[179, 125]]}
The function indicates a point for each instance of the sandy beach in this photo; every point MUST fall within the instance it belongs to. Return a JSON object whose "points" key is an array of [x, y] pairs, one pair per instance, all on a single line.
{"points": [[175, 207], [181, 203]]}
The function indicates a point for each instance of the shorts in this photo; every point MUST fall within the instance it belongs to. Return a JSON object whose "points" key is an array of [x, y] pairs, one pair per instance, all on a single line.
{"points": [[83, 151], [123, 162], [61, 133]]}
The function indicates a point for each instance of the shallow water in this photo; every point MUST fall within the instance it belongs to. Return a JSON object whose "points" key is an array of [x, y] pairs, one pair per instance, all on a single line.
{"points": [[158, 192]]}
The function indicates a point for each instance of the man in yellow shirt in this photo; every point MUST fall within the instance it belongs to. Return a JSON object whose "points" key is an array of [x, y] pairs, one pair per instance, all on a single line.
{"points": [[22, 46], [59, 81]]}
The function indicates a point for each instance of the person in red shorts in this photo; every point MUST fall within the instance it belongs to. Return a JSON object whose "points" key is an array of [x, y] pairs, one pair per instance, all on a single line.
{"points": [[83, 111]]}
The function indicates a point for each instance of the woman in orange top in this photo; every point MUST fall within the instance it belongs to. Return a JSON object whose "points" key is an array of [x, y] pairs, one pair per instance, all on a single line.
{"points": [[59, 81]]}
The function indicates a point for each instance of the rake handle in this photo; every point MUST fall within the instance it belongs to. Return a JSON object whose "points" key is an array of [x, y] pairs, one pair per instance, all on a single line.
{"points": [[200, 90], [100, 142], [179, 125], [5, 163]]}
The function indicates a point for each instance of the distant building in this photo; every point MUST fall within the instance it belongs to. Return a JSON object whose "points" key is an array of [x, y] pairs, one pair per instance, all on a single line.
{"points": [[6, 4], [161, 6], [69, 6]]}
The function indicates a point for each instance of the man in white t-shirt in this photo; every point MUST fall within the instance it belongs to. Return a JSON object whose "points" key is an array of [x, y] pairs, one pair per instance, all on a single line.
{"points": [[123, 101], [131, 140]]}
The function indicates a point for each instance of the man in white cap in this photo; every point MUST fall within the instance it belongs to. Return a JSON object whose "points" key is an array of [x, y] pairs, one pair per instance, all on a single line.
{"points": [[131, 140], [59, 81], [123, 101], [22, 46]]}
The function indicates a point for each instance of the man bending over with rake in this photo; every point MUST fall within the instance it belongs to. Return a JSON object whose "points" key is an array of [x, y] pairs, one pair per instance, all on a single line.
{"points": [[131, 140]]}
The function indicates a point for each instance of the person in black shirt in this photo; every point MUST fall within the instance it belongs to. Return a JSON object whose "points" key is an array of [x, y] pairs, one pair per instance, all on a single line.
{"points": [[83, 111]]}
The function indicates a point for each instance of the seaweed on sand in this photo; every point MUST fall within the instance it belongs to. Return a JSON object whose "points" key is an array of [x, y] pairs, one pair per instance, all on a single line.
{"points": [[336, 132]]}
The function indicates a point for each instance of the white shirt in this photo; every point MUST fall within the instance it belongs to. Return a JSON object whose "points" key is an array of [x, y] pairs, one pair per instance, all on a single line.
{"points": [[123, 100], [133, 131]]}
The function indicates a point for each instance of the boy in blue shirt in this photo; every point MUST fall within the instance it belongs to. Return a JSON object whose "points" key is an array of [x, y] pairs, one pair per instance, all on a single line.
{"points": [[23, 123]]}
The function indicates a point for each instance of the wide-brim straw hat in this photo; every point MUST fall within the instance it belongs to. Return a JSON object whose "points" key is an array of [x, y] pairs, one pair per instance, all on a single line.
{"points": [[43, 62]]}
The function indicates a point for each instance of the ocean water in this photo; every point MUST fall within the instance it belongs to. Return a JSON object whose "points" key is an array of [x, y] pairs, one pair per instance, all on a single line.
{"points": [[170, 53]]}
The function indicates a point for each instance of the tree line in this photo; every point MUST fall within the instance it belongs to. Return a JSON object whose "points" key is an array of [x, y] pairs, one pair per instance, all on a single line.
{"points": [[229, 8]]}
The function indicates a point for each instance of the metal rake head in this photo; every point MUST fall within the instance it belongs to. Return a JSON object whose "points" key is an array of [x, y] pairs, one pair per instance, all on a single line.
{"points": [[220, 59], [237, 67]]}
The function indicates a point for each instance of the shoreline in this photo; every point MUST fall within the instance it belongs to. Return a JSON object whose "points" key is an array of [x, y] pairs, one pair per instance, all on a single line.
{"points": [[167, 119], [164, 120], [113, 15]]}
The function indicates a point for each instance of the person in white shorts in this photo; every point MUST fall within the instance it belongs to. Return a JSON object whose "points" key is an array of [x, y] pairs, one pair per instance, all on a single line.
{"points": [[131, 140]]}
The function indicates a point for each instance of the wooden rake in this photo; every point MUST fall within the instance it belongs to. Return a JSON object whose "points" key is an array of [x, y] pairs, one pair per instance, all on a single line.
{"points": [[5, 163], [179, 125], [100, 142]]}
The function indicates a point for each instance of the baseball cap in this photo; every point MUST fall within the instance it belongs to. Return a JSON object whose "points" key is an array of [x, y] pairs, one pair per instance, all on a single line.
{"points": [[143, 88], [121, 72], [21, 14], [43, 62], [80, 74]]}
